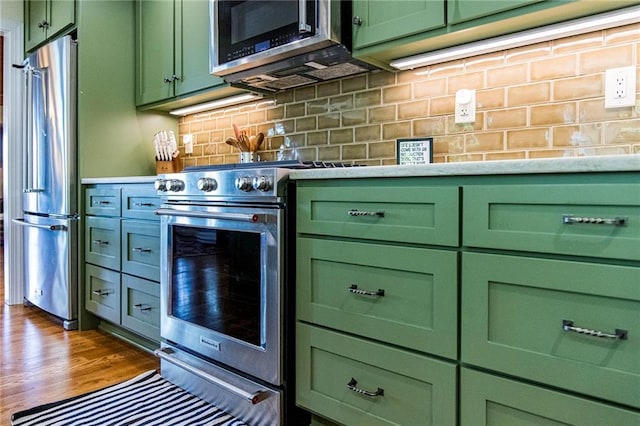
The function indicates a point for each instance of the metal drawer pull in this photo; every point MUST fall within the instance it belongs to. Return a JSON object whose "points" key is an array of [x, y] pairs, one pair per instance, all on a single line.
{"points": [[101, 292], [352, 386], [356, 212], [354, 289], [140, 204], [101, 242], [141, 250], [142, 307], [101, 203], [567, 325], [569, 219]]}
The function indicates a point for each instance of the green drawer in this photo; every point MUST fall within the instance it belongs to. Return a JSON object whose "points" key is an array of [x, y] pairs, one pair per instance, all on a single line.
{"points": [[102, 241], [417, 307], [513, 310], [532, 218], [415, 214], [494, 401], [141, 306], [102, 292], [141, 249], [102, 201], [417, 390], [140, 202]]}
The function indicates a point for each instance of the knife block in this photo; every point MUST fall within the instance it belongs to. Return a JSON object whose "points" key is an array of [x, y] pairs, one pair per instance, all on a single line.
{"points": [[173, 166]]}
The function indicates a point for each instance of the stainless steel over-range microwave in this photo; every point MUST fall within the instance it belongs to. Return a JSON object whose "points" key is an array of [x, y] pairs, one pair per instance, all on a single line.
{"points": [[278, 44]]}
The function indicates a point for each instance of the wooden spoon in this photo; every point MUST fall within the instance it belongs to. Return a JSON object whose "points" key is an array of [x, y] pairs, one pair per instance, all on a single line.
{"points": [[259, 140], [233, 142]]}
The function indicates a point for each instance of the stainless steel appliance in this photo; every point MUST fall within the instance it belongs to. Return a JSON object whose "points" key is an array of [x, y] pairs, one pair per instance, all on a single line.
{"points": [[272, 45], [49, 183], [226, 316]]}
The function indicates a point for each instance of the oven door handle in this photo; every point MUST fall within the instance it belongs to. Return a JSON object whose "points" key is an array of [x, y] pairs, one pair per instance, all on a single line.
{"points": [[253, 398], [253, 218]]}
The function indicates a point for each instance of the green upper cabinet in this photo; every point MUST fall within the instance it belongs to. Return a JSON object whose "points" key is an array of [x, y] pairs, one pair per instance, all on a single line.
{"points": [[173, 51], [465, 10], [386, 30], [46, 18], [155, 51], [382, 20]]}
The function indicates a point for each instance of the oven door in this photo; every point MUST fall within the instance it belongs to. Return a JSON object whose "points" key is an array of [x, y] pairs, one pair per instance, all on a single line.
{"points": [[221, 285], [258, 32]]}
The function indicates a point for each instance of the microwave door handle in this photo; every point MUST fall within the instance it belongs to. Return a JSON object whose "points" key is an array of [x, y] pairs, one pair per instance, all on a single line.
{"points": [[303, 25]]}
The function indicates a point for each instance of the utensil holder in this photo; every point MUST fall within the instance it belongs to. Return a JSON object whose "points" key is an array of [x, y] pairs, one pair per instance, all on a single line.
{"points": [[173, 166], [249, 157]]}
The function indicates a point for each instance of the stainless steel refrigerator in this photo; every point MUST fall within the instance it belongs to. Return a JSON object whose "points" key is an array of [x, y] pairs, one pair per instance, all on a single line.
{"points": [[50, 221]]}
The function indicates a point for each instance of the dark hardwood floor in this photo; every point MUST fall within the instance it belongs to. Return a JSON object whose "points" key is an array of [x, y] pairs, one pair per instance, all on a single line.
{"points": [[40, 362]]}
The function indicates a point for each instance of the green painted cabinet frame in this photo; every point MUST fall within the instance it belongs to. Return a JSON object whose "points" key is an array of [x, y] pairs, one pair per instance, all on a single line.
{"points": [[172, 50], [44, 19]]}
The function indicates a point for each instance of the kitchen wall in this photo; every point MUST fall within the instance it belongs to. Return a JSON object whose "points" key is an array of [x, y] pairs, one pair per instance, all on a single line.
{"points": [[539, 101]]}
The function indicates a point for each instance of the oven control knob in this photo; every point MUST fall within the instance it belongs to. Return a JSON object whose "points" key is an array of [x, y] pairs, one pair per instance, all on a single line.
{"points": [[160, 185], [261, 183], [207, 184], [175, 185], [244, 183]]}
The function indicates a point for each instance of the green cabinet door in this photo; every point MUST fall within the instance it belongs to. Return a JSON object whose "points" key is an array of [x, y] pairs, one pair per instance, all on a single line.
{"points": [[383, 20], [406, 296], [192, 47], [155, 54], [466, 10], [494, 401], [45, 18], [355, 381], [572, 325]]}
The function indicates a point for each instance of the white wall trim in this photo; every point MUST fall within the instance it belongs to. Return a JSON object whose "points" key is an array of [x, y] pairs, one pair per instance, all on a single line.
{"points": [[13, 96]]}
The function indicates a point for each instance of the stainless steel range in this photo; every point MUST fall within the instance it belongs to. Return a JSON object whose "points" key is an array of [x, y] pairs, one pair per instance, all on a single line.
{"points": [[227, 287]]}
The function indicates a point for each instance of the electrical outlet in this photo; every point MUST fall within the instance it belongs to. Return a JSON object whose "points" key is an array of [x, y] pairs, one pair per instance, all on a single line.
{"points": [[620, 87], [465, 108], [187, 140]]}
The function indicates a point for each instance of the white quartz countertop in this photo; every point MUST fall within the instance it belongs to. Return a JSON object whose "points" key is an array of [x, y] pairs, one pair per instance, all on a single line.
{"points": [[120, 179], [617, 163]]}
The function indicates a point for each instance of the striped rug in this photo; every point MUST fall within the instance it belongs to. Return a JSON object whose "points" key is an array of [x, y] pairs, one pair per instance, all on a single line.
{"points": [[147, 400]]}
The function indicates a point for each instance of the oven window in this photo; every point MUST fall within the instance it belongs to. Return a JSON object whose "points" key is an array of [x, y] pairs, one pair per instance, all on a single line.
{"points": [[216, 281]]}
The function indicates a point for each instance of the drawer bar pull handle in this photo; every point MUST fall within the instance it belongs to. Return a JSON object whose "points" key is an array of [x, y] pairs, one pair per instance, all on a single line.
{"points": [[352, 385], [101, 203], [101, 242], [356, 212], [141, 250], [354, 289], [567, 325], [101, 292], [142, 307], [569, 219], [141, 204]]}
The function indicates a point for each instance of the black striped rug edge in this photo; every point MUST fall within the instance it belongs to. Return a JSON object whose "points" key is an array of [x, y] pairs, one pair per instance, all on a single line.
{"points": [[34, 410]]}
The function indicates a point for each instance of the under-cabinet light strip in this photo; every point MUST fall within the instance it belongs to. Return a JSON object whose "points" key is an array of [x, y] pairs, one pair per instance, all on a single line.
{"points": [[551, 32], [231, 100]]}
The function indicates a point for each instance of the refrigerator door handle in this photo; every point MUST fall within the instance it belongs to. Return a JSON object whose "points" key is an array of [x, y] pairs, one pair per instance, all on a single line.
{"points": [[23, 222], [28, 128]]}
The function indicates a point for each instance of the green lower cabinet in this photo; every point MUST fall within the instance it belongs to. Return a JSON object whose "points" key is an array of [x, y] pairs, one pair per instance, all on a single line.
{"points": [[141, 249], [141, 306], [102, 292], [569, 324], [405, 296], [490, 400], [354, 381]]}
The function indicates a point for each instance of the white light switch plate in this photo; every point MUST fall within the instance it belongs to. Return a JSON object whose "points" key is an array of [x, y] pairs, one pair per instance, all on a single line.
{"points": [[620, 87], [465, 108]]}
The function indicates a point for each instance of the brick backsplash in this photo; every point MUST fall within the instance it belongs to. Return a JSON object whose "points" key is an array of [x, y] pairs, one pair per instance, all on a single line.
{"points": [[539, 101]]}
